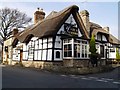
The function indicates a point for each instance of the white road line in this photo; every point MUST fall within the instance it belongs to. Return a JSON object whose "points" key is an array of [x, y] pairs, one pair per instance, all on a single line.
{"points": [[93, 77], [108, 79], [63, 75], [101, 80], [85, 78], [116, 82]]}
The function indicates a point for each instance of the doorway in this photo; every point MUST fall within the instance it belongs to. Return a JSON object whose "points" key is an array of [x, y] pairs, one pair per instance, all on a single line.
{"points": [[21, 55], [102, 51]]}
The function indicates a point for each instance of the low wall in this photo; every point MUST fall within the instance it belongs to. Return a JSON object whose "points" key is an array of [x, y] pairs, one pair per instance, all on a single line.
{"points": [[41, 64], [81, 63], [60, 68], [67, 67]]}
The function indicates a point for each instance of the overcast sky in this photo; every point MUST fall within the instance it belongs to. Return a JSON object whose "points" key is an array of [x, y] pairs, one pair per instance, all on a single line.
{"points": [[103, 13]]}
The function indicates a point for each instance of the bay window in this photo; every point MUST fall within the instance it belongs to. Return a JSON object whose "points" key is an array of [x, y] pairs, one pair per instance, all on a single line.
{"points": [[75, 48], [67, 48]]}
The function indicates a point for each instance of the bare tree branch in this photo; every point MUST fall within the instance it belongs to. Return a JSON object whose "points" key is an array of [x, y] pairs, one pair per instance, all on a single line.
{"points": [[10, 18]]}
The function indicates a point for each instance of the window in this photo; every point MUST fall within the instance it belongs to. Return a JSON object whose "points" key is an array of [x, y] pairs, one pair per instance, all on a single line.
{"points": [[83, 54], [85, 51], [79, 47], [99, 37], [76, 50], [36, 44], [57, 54], [68, 50], [102, 50], [31, 50]]}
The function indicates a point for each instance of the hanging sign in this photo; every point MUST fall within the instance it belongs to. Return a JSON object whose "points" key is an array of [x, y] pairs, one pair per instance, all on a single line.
{"points": [[70, 29]]}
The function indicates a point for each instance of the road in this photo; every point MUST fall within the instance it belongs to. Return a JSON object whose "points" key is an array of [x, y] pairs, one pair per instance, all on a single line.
{"points": [[20, 77]]}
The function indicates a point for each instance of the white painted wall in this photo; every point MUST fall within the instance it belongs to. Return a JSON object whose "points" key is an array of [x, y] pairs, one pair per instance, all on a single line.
{"points": [[49, 55], [16, 54], [39, 54], [44, 54], [112, 54], [58, 42], [25, 55], [35, 55]]}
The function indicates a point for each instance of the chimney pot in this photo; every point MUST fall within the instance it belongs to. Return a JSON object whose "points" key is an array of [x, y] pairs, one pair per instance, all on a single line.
{"points": [[38, 8], [39, 15], [15, 31]]}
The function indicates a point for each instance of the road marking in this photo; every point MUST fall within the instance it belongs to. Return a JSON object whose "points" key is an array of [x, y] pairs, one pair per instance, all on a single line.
{"points": [[93, 77], [109, 79], [116, 82], [101, 80], [85, 78], [63, 75]]}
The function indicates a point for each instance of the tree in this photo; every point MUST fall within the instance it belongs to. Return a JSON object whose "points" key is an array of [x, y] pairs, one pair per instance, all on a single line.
{"points": [[92, 49], [10, 18], [117, 55], [92, 45]]}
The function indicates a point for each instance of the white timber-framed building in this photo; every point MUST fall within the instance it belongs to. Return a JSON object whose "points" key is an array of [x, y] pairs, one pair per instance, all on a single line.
{"points": [[60, 37]]}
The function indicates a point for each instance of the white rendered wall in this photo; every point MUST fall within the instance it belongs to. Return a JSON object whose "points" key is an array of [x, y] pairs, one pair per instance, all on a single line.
{"points": [[39, 54], [112, 54], [44, 54], [16, 54], [58, 42], [49, 55]]}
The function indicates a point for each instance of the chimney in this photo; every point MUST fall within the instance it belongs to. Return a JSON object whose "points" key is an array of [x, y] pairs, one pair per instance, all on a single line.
{"points": [[106, 29], [39, 15], [85, 18], [15, 31]]}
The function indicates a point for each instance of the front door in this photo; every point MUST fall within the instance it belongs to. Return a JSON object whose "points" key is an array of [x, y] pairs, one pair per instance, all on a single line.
{"points": [[102, 50], [21, 55]]}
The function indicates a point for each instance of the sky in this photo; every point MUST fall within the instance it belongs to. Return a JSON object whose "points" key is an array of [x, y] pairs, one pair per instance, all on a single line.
{"points": [[102, 13]]}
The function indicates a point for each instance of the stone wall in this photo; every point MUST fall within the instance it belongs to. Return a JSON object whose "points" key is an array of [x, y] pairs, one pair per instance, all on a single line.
{"points": [[67, 66], [81, 63], [41, 64]]}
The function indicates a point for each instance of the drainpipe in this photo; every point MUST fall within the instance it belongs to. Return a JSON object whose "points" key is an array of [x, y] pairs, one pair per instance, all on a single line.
{"points": [[72, 53]]}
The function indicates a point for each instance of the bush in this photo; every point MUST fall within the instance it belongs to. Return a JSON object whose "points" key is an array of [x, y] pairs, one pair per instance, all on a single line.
{"points": [[117, 55], [92, 49]]}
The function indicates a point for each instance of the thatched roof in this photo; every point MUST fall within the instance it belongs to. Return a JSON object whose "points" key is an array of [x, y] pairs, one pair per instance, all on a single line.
{"points": [[94, 25], [98, 29], [114, 40], [52, 23]]}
